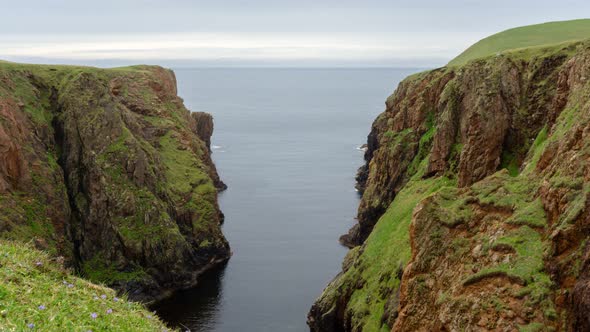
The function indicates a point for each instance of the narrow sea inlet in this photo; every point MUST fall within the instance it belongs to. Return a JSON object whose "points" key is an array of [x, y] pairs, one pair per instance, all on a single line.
{"points": [[285, 142]]}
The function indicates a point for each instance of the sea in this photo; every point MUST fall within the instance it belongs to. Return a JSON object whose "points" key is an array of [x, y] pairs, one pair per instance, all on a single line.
{"points": [[287, 142]]}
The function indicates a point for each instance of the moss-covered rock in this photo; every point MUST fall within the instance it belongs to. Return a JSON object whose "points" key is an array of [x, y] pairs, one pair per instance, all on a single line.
{"points": [[107, 168]]}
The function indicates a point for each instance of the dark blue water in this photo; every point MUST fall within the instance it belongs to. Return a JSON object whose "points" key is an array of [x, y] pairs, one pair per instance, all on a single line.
{"points": [[286, 145]]}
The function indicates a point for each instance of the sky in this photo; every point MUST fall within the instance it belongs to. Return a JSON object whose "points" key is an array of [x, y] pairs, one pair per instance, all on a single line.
{"points": [[294, 33]]}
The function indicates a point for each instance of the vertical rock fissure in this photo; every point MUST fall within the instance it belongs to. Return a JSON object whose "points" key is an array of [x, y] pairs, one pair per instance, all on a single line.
{"points": [[73, 230]]}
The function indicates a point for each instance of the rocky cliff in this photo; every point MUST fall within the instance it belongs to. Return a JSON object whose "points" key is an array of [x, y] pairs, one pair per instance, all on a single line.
{"points": [[474, 214], [108, 169]]}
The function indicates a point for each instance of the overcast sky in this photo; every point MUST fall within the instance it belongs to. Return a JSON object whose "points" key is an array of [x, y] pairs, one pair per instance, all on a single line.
{"points": [[417, 33]]}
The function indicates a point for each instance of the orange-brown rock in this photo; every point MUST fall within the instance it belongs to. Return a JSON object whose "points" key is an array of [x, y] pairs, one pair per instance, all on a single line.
{"points": [[492, 159]]}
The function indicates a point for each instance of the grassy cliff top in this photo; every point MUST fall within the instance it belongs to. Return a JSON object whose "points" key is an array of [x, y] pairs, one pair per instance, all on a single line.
{"points": [[36, 294], [54, 67], [544, 34], [54, 73]]}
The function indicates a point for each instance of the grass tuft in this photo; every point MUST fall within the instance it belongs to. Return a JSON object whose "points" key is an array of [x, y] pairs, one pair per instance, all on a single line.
{"points": [[37, 294]]}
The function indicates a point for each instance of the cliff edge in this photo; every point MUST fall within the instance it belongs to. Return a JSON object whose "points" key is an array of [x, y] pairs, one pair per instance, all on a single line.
{"points": [[474, 214]]}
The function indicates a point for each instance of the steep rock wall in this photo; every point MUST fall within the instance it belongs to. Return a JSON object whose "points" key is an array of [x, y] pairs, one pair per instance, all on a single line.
{"points": [[473, 215], [109, 169]]}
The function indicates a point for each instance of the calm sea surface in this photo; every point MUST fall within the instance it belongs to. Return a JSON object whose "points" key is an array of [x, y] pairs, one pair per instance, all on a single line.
{"points": [[285, 142]]}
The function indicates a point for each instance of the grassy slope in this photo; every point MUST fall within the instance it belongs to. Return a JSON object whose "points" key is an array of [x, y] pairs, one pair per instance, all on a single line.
{"points": [[527, 36], [36, 290], [388, 250]]}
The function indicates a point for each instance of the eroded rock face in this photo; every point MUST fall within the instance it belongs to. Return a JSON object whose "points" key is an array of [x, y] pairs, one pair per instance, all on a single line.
{"points": [[201, 124], [392, 145], [474, 210], [467, 121], [109, 169]]}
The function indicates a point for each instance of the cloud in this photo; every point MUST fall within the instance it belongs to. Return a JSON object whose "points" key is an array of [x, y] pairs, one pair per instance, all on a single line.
{"points": [[384, 31], [217, 46]]}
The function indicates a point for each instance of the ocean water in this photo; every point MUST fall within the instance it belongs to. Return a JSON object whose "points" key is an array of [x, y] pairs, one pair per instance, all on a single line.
{"points": [[286, 144]]}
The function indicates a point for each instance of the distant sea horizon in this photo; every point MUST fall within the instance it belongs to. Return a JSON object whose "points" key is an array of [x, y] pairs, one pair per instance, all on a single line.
{"points": [[191, 64]]}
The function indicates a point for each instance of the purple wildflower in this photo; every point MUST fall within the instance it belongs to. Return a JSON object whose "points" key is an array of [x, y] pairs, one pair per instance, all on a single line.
{"points": [[70, 285], [103, 296], [109, 311], [93, 315], [149, 316], [116, 299], [42, 307], [39, 263], [31, 325]]}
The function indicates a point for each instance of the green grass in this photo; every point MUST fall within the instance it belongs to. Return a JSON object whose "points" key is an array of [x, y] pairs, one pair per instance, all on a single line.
{"points": [[388, 247], [532, 327], [528, 264], [184, 171], [518, 194], [188, 180], [536, 149], [34, 101], [453, 210], [30, 279], [524, 37], [387, 250], [189, 183], [28, 219], [531, 214], [397, 139], [504, 191], [424, 145], [54, 75], [576, 206]]}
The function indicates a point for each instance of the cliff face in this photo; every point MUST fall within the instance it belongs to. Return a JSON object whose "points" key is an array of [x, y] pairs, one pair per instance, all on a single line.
{"points": [[475, 199], [109, 169]]}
